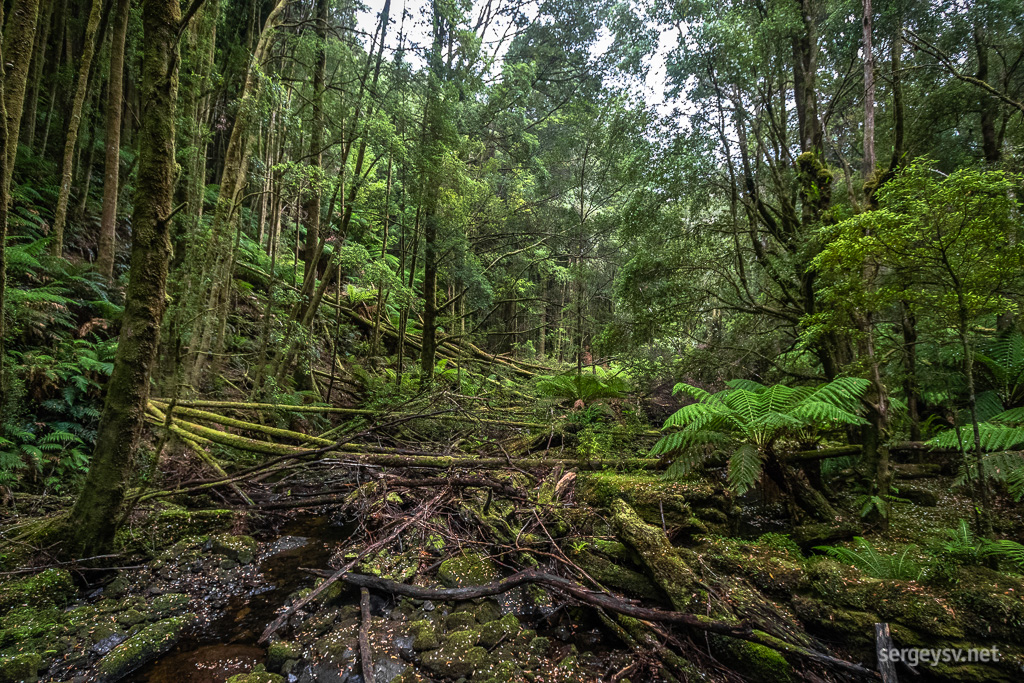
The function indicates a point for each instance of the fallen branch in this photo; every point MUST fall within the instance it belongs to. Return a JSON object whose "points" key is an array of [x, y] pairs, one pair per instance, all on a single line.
{"points": [[365, 654], [425, 511], [733, 629]]}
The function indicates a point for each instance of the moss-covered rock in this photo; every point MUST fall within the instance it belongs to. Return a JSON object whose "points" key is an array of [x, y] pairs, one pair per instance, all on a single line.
{"points": [[280, 651], [424, 635], [257, 675], [52, 587], [20, 667], [458, 621], [615, 575], [496, 631], [143, 647], [169, 603], [688, 505], [169, 525], [758, 663], [459, 656], [241, 549], [467, 569]]}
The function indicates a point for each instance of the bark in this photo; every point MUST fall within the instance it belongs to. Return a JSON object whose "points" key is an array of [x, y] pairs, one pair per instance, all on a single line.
{"points": [[73, 124], [896, 56], [28, 117], [908, 324], [869, 92], [4, 201], [206, 305], [93, 519], [112, 161], [316, 141], [989, 109], [19, 38]]}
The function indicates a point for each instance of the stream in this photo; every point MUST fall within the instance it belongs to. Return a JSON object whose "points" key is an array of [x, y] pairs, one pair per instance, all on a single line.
{"points": [[228, 645]]}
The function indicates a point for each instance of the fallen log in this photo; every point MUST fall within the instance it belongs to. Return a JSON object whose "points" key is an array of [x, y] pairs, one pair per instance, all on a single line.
{"points": [[734, 629]]}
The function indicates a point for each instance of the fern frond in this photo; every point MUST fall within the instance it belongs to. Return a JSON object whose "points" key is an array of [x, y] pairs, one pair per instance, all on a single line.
{"points": [[744, 468]]}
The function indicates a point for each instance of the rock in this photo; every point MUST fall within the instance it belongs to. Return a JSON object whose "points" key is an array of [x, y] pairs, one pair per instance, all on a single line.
{"points": [[143, 647], [239, 548], [117, 588], [109, 643], [459, 656], [919, 496], [467, 569], [171, 524], [403, 646], [52, 587], [169, 603], [496, 631], [424, 635], [280, 651], [257, 675], [131, 617], [459, 621], [539, 645], [387, 669], [21, 667]]}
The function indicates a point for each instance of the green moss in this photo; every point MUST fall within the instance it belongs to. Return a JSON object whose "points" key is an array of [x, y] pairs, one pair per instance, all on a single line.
{"points": [[467, 569], [169, 525], [650, 543], [458, 621], [52, 587], [20, 667], [280, 651], [757, 662], [424, 635], [652, 498], [144, 646], [496, 631], [257, 675], [169, 603], [242, 549], [459, 656]]}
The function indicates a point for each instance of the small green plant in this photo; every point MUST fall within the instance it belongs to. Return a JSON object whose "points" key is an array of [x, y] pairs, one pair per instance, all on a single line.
{"points": [[780, 542], [899, 566]]}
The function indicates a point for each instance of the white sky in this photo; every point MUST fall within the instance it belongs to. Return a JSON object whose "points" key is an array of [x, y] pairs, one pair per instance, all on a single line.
{"points": [[417, 29]]}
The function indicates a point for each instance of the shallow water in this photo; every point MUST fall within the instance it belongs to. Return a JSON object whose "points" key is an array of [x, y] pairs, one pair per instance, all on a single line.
{"points": [[228, 645]]}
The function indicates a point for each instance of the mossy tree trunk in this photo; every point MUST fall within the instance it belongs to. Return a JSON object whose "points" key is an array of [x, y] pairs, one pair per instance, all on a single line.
{"points": [[28, 117], [206, 304], [112, 162], [73, 124], [93, 519], [19, 39], [4, 199]]}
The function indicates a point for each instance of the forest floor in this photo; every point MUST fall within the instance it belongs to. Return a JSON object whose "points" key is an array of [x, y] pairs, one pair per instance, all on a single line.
{"points": [[463, 540]]}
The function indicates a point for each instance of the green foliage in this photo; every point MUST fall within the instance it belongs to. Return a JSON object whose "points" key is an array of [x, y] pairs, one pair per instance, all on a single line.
{"points": [[1003, 362], [759, 417], [900, 566], [585, 387]]}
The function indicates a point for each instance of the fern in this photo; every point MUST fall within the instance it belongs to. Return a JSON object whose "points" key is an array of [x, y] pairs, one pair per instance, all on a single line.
{"points": [[758, 417], [900, 566], [1008, 550], [585, 387]]}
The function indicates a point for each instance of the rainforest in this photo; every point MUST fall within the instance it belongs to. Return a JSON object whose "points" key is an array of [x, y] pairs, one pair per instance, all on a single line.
{"points": [[532, 341]]}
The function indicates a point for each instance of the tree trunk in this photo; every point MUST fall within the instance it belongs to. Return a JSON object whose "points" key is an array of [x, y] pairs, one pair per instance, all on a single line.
{"points": [[896, 56], [908, 323], [74, 121], [93, 519], [112, 162], [207, 302], [869, 93], [4, 200], [28, 116], [989, 109], [19, 38], [316, 143]]}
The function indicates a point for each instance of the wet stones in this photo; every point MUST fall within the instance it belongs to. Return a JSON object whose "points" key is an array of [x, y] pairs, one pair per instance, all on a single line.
{"points": [[52, 587], [467, 569], [240, 549], [145, 646]]}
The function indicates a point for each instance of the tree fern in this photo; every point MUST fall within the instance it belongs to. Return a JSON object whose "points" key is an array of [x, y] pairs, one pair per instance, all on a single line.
{"points": [[758, 417]]}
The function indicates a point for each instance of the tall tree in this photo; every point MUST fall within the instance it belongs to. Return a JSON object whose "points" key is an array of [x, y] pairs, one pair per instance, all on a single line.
{"points": [[73, 124], [94, 517], [112, 161], [19, 39]]}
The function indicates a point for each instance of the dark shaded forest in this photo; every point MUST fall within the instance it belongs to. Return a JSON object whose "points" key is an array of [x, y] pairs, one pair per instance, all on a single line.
{"points": [[511, 341]]}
